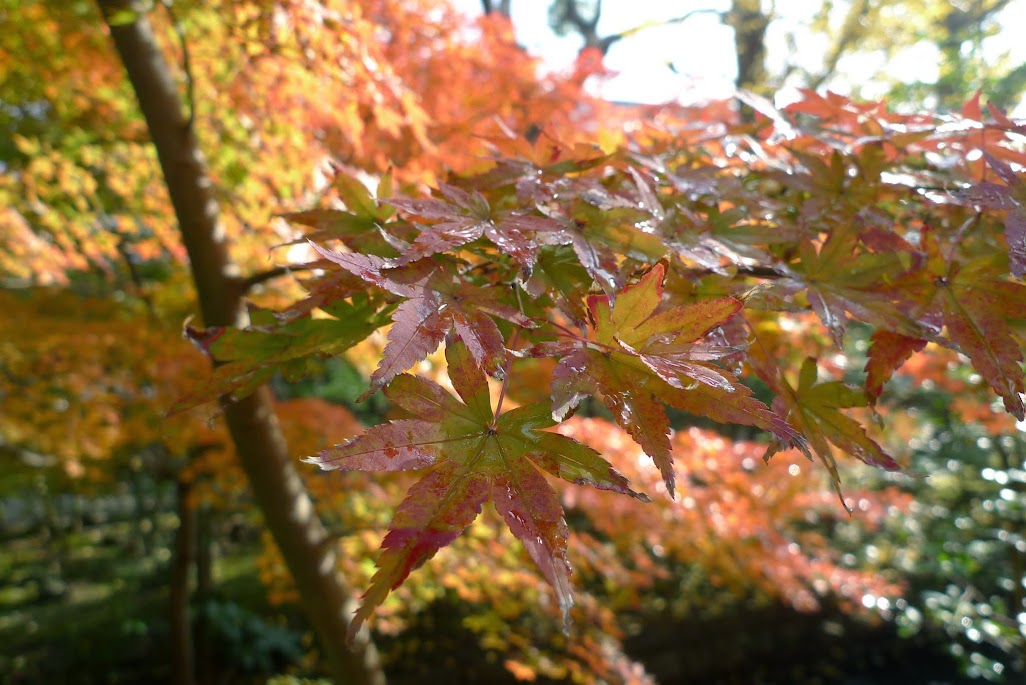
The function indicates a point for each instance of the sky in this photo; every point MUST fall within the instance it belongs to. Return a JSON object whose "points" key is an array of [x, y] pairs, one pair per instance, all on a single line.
{"points": [[702, 49]]}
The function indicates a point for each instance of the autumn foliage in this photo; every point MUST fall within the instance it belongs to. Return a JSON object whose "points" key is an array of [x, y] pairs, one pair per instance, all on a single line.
{"points": [[649, 319], [667, 275]]}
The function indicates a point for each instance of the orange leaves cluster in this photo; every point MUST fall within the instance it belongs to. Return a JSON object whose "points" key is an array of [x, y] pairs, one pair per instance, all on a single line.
{"points": [[278, 89], [747, 529], [746, 522], [85, 381]]}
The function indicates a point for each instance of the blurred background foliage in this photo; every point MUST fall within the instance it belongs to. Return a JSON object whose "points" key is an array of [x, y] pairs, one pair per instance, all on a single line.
{"points": [[926, 581]]}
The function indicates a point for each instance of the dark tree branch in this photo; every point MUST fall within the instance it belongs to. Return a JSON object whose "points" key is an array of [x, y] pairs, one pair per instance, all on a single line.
{"points": [[249, 282], [569, 13], [133, 273], [610, 40], [750, 23]]}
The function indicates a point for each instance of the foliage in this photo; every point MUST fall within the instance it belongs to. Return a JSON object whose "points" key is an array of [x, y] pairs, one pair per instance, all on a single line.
{"points": [[958, 543], [85, 384], [691, 292], [245, 639], [81, 188], [700, 276]]}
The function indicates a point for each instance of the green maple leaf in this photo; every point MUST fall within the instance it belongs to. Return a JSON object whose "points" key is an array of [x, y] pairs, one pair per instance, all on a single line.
{"points": [[359, 225], [842, 278], [437, 302], [814, 410], [641, 356], [471, 455], [247, 358]]}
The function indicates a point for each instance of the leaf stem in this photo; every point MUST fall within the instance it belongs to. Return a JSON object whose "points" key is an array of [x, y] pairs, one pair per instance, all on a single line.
{"points": [[505, 377], [587, 342], [566, 331]]}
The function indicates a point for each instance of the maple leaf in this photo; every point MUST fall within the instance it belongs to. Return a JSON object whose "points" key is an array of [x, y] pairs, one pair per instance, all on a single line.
{"points": [[640, 356], [250, 357], [437, 302], [559, 276], [814, 410], [841, 279], [975, 305], [887, 352], [472, 455], [467, 217], [1011, 197], [600, 226], [537, 154], [359, 226]]}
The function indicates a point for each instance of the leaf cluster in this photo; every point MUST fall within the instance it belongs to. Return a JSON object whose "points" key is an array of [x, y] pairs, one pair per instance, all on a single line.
{"points": [[680, 272]]}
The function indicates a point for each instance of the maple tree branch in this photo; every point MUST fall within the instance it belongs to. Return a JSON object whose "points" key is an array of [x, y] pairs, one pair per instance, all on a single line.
{"points": [[247, 283], [503, 7], [569, 13], [610, 40], [851, 32], [767, 272], [135, 276], [566, 331], [520, 299]]}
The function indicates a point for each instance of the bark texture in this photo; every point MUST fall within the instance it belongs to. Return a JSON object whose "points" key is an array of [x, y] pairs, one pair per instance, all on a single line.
{"points": [[277, 488], [749, 22]]}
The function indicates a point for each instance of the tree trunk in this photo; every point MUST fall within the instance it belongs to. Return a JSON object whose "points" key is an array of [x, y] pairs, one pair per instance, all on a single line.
{"points": [[749, 23], [204, 591], [182, 671], [287, 508]]}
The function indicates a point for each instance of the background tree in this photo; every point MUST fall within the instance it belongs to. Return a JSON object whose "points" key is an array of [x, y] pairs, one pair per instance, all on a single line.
{"points": [[861, 36]]}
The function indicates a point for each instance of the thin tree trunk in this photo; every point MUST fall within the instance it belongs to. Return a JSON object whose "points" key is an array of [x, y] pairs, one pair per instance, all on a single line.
{"points": [[145, 520], [204, 591], [182, 670], [276, 485], [749, 23]]}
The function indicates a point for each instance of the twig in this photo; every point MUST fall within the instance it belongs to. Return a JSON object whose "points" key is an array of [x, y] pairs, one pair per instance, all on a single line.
{"points": [[608, 41], [249, 282], [135, 276]]}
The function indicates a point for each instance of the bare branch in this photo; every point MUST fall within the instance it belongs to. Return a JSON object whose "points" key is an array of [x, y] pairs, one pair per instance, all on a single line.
{"points": [[610, 40], [249, 282]]}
